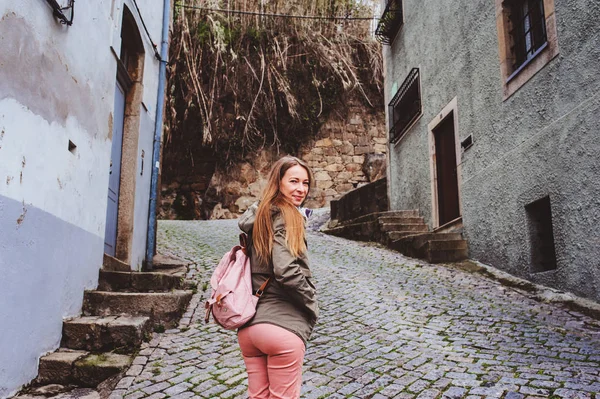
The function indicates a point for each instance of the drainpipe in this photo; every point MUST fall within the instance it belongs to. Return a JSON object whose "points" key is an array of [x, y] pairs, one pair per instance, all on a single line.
{"points": [[160, 102]]}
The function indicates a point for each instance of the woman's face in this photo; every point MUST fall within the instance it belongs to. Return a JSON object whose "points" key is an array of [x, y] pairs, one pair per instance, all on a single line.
{"points": [[294, 184]]}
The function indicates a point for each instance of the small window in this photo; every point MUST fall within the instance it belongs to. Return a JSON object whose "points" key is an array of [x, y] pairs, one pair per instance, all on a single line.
{"points": [[405, 108], [390, 22], [529, 29], [527, 40], [543, 252]]}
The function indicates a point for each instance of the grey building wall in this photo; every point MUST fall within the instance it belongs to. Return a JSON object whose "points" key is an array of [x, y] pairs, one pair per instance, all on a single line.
{"points": [[543, 140]]}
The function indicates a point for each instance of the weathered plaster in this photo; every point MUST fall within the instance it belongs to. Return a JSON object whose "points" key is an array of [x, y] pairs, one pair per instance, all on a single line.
{"points": [[541, 141], [42, 282], [57, 85]]}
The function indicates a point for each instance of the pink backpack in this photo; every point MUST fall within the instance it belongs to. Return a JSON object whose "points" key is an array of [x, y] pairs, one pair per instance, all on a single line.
{"points": [[232, 302]]}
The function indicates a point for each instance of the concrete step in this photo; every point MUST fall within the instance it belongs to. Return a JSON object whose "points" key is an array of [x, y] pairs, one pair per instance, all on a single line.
{"points": [[163, 308], [411, 213], [422, 238], [114, 264], [139, 281], [403, 227], [445, 245], [97, 333], [80, 368], [447, 255], [398, 235], [401, 220], [414, 245]]}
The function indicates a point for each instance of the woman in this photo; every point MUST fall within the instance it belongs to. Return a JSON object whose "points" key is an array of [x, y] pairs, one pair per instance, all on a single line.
{"points": [[273, 342]]}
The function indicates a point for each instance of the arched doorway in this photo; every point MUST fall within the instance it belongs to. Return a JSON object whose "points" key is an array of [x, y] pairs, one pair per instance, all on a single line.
{"points": [[126, 124]]}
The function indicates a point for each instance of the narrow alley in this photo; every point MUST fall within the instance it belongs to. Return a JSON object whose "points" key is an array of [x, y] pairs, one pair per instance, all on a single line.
{"points": [[390, 327]]}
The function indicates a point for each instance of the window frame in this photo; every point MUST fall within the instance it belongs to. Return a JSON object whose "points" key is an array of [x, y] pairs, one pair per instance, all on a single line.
{"points": [[413, 78], [514, 74]]}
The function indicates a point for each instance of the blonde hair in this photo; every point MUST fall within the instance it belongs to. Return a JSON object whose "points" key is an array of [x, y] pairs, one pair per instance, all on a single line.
{"points": [[263, 234]]}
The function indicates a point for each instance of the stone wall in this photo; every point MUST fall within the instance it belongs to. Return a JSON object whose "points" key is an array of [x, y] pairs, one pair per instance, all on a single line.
{"points": [[370, 198], [349, 151]]}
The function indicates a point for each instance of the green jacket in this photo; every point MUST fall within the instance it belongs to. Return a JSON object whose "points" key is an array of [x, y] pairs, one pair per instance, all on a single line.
{"points": [[290, 299]]}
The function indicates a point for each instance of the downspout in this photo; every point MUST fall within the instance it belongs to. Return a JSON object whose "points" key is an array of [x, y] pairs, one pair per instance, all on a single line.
{"points": [[160, 101]]}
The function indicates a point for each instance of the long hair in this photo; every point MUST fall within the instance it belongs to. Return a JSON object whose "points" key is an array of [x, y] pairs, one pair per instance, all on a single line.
{"points": [[262, 236]]}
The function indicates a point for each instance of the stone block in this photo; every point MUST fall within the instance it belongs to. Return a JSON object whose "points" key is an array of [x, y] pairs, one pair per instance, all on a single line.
{"points": [[344, 187], [95, 333], [322, 176], [91, 370], [57, 367], [347, 149], [326, 142], [337, 142], [336, 167], [164, 308], [358, 159], [243, 203], [331, 151], [344, 176], [317, 151], [360, 150], [382, 148], [324, 184], [353, 167]]}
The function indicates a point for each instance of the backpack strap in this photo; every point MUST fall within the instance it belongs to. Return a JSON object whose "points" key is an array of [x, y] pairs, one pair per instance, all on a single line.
{"points": [[244, 243], [261, 290]]}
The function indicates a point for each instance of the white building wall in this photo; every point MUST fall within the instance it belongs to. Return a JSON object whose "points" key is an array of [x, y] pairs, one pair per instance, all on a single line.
{"points": [[57, 85]]}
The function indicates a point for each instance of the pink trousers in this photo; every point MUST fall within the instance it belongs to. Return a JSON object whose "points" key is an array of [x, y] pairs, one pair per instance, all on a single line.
{"points": [[273, 357]]}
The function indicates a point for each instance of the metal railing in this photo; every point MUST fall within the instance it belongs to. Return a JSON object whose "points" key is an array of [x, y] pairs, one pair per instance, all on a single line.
{"points": [[390, 22], [406, 106]]}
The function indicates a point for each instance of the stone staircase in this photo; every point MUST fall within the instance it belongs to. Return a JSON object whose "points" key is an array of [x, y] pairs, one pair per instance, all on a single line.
{"points": [[97, 348], [406, 232]]}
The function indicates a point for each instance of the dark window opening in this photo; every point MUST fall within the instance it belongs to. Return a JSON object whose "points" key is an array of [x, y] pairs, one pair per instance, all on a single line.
{"points": [[390, 22], [405, 108], [543, 252], [131, 42], [528, 29]]}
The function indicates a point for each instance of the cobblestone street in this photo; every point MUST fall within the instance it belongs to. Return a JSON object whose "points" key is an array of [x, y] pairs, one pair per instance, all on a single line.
{"points": [[390, 327]]}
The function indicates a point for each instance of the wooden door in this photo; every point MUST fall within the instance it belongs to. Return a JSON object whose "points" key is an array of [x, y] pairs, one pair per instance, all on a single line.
{"points": [[446, 168], [112, 212]]}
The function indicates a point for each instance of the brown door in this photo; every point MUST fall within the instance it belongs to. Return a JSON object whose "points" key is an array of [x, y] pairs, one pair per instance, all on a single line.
{"points": [[447, 179]]}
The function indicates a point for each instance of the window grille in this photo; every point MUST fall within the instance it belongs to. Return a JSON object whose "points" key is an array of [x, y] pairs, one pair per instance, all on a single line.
{"points": [[528, 29], [405, 108], [390, 22]]}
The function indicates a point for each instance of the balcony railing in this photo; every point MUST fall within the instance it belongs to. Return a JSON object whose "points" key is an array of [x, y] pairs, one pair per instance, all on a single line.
{"points": [[390, 22], [405, 108]]}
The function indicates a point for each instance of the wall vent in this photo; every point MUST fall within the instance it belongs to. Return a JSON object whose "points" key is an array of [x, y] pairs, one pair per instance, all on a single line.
{"points": [[72, 147], [467, 142], [541, 235]]}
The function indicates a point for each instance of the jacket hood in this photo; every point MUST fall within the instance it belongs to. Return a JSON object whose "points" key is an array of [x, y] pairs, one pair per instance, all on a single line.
{"points": [[246, 221]]}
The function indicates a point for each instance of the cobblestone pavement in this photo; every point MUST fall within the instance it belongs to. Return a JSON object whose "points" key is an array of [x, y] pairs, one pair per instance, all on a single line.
{"points": [[390, 327]]}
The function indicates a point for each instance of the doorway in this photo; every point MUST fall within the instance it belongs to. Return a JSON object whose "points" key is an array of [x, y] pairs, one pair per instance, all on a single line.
{"points": [[114, 178], [123, 172], [445, 168]]}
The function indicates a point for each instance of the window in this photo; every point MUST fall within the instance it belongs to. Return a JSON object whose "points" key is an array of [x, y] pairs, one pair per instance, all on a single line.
{"points": [[529, 29], [526, 40], [390, 22], [405, 108], [543, 252]]}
